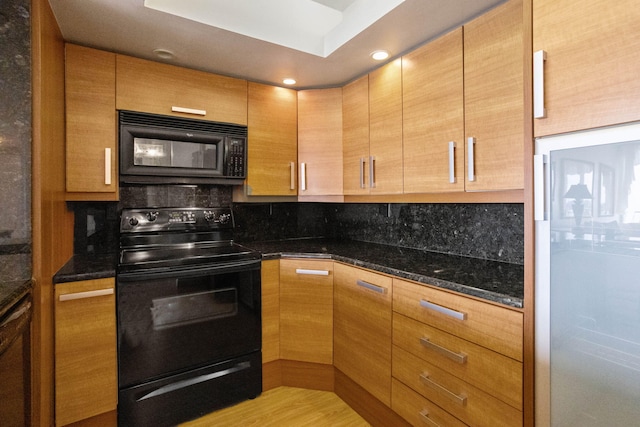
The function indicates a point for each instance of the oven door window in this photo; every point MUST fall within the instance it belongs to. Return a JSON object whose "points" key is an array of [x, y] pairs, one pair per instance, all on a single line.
{"points": [[169, 325], [177, 154]]}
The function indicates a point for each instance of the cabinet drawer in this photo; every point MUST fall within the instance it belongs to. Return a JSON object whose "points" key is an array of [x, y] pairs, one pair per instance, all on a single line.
{"points": [[492, 372], [417, 410], [488, 325], [466, 402], [362, 329], [306, 310]]}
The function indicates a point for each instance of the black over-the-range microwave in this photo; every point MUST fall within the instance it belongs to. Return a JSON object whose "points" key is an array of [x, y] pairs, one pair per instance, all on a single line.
{"points": [[157, 149]]}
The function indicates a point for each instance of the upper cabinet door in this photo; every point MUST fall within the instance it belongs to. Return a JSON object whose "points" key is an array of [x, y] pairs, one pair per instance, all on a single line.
{"points": [[320, 142], [355, 136], [494, 99], [385, 128], [157, 88], [433, 116], [91, 152], [592, 62], [273, 141]]}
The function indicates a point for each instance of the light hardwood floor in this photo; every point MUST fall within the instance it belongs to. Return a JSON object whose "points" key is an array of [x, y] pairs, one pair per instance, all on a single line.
{"points": [[283, 407]]}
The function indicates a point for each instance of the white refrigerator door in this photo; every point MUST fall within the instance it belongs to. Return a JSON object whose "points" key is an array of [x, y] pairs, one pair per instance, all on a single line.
{"points": [[587, 298]]}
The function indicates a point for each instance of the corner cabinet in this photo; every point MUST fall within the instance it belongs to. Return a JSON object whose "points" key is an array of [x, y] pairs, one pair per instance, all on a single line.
{"points": [[86, 377], [590, 77], [157, 88], [494, 99], [306, 310], [433, 116], [91, 123], [320, 142], [355, 136], [273, 141], [362, 328]]}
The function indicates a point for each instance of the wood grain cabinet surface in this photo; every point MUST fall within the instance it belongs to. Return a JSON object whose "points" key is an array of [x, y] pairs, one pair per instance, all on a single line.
{"points": [[272, 141], [157, 88], [86, 377], [355, 136], [592, 63], [459, 353], [91, 141], [320, 142], [494, 99], [306, 310], [362, 328]]}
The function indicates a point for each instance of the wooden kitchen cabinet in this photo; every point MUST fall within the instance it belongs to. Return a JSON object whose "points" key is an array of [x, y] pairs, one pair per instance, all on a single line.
{"points": [[91, 123], [592, 63], [459, 353], [433, 116], [494, 99], [385, 128], [355, 136], [273, 141], [362, 328], [270, 310], [320, 142], [306, 310], [86, 377], [158, 88]]}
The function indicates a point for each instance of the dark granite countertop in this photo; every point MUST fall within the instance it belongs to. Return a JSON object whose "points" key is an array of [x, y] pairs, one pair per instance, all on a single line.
{"points": [[11, 292], [491, 280], [87, 267]]}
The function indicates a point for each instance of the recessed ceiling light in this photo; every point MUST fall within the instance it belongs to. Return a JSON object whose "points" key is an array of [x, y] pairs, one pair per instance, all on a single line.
{"points": [[163, 53], [289, 81], [379, 55]]}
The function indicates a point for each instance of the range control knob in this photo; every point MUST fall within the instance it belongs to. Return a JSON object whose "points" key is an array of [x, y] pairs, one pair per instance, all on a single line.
{"points": [[133, 221], [152, 216], [224, 218], [209, 216]]}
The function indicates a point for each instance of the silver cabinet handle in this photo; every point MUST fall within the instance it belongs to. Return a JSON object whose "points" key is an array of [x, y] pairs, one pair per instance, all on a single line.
{"points": [[456, 357], [471, 142], [539, 208], [292, 170], [539, 58], [87, 294], [371, 286], [305, 271], [424, 416], [107, 166], [443, 310], [362, 172], [189, 111], [372, 171], [458, 398], [452, 162], [303, 176]]}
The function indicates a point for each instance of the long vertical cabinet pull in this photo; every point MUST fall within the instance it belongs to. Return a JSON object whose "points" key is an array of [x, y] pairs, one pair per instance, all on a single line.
{"points": [[107, 166], [539, 58], [539, 191], [292, 171], [452, 162], [303, 176], [362, 161], [471, 142], [372, 171]]}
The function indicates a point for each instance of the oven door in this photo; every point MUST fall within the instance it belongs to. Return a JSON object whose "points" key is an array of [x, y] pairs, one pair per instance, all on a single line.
{"points": [[181, 319]]}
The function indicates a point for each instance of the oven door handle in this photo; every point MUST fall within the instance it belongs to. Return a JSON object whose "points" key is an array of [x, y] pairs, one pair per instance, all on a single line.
{"points": [[191, 270]]}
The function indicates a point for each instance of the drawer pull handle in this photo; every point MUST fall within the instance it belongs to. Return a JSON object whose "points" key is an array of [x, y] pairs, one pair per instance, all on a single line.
{"points": [[312, 272], [456, 357], [88, 294], [188, 111], [458, 398], [371, 286], [443, 310], [424, 415]]}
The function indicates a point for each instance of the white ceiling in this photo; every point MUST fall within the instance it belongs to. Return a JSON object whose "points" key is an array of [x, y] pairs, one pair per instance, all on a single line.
{"points": [[320, 43]]}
